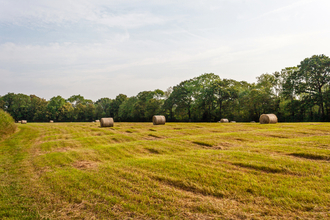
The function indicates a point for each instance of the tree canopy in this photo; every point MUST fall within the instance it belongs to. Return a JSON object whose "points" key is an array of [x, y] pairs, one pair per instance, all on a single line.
{"points": [[299, 93]]}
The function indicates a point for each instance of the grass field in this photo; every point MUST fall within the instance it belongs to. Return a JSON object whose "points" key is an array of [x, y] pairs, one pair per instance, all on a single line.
{"points": [[176, 171]]}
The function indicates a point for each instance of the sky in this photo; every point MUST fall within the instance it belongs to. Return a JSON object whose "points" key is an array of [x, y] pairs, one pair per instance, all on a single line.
{"points": [[102, 48]]}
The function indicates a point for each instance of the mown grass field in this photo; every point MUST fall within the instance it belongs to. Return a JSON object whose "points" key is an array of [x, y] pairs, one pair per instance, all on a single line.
{"points": [[176, 171]]}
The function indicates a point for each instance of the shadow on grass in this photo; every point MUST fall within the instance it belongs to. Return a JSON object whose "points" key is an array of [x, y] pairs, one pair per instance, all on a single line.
{"points": [[202, 143], [311, 156], [261, 168]]}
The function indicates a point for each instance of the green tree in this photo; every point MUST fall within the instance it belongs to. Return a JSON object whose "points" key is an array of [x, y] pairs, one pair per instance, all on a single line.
{"points": [[313, 77], [8, 102], [38, 109], [204, 96], [16, 105], [76, 99], [225, 94], [103, 108], [53, 107], [154, 105], [288, 85], [66, 112], [140, 106], [79, 112], [115, 104], [181, 100], [90, 112], [126, 110]]}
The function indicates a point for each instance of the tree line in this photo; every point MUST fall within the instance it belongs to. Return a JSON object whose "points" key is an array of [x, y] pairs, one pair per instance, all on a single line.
{"points": [[295, 94]]}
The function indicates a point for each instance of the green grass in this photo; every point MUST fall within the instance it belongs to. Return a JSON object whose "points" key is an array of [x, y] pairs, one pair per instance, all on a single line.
{"points": [[7, 124], [176, 171]]}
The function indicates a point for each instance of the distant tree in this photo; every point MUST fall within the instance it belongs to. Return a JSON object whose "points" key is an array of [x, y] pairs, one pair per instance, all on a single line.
{"points": [[8, 102], [288, 90], [204, 95], [168, 92], [126, 110], [54, 106], [115, 104], [19, 108], [299, 93], [66, 112], [141, 105], [90, 112], [38, 109], [314, 78], [79, 112], [103, 107], [154, 105], [181, 99], [76, 99], [225, 92]]}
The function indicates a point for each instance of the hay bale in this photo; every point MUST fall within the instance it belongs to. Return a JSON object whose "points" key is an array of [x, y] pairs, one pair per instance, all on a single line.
{"points": [[97, 121], [233, 122], [268, 119], [224, 120], [252, 122], [19, 122], [158, 119], [23, 122], [51, 121], [106, 122]]}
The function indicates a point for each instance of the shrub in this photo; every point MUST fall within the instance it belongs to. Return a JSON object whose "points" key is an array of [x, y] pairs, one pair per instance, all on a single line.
{"points": [[7, 124]]}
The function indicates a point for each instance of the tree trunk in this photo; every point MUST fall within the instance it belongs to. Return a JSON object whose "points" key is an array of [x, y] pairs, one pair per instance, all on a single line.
{"points": [[189, 113], [321, 104], [220, 109], [292, 110]]}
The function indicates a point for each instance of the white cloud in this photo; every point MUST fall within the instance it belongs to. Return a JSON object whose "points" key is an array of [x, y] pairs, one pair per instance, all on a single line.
{"points": [[103, 48], [36, 14]]}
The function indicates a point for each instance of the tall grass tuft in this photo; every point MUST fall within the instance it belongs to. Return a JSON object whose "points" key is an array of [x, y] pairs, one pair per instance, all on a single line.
{"points": [[7, 124]]}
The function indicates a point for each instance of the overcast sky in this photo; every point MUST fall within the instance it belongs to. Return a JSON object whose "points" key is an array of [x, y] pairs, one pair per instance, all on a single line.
{"points": [[101, 48]]}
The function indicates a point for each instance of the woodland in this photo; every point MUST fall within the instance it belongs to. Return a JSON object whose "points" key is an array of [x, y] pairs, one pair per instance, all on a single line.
{"points": [[295, 94]]}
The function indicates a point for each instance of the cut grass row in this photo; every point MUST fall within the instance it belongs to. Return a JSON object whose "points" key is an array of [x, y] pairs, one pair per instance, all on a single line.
{"points": [[180, 170]]}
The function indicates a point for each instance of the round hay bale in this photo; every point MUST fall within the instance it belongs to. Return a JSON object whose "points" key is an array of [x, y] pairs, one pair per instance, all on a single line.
{"points": [[268, 119], [158, 119], [23, 122], [233, 122], [106, 122], [97, 121], [19, 122], [51, 121], [224, 120]]}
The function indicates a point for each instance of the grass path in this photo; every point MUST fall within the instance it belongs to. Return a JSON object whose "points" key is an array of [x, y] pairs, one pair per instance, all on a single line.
{"points": [[14, 203], [176, 171]]}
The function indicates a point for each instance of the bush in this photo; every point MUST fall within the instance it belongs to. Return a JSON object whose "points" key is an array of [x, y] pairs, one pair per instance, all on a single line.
{"points": [[7, 124]]}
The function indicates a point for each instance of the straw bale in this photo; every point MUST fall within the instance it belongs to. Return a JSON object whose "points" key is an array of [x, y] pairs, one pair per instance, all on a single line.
{"points": [[224, 120], [97, 121], [268, 119], [233, 122], [23, 122], [158, 119], [51, 121], [106, 122], [19, 122]]}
